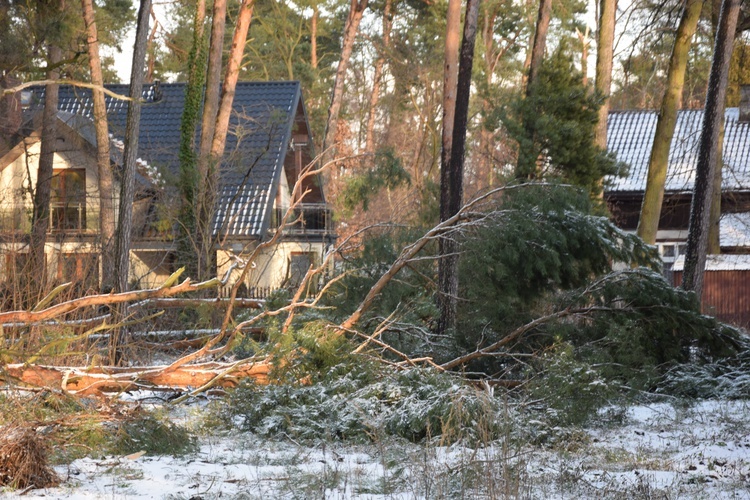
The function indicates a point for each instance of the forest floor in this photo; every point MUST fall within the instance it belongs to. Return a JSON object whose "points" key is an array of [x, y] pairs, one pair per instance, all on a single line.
{"points": [[696, 449]]}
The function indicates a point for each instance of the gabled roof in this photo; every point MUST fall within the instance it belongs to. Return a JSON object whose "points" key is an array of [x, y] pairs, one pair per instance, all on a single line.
{"points": [[630, 134], [259, 133]]}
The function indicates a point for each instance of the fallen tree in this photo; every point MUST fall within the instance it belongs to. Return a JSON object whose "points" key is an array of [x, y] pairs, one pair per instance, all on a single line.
{"points": [[84, 381]]}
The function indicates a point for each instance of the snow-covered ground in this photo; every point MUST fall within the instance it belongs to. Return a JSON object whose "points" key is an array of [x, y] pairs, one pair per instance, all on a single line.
{"points": [[662, 450]]}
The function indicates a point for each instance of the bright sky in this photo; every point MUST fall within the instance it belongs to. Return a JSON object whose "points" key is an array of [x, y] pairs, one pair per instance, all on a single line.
{"points": [[124, 59]]}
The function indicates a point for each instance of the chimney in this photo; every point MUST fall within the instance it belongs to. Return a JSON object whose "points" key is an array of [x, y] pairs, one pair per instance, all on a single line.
{"points": [[744, 104]]}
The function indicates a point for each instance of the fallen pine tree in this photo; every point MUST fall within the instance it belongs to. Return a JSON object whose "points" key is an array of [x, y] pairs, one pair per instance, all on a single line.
{"points": [[102, 379]]}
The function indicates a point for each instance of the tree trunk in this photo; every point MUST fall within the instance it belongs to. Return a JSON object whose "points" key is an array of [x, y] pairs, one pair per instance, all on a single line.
{"points": [[104, 170], [540, 41], [127, 187], [713, 117], [714, 236], [40, 223], [378, 76], [604, 55], [648, 225], [188, 163], [207, 166], [448, 279], [714, 218], [314, 37], [584, 38], [356, 10], [230, 84]]}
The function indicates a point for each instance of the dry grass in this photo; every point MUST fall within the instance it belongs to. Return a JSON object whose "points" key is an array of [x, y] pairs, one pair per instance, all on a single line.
{"points": [[23, 459]]}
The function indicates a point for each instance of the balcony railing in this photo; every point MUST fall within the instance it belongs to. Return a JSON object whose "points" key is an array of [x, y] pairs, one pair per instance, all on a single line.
{"points": [[306, 218], [68, 216]]}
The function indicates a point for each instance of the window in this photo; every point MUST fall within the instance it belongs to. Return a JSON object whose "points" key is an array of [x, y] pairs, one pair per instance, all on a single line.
{"points": [[68, 199], [668, 250]]}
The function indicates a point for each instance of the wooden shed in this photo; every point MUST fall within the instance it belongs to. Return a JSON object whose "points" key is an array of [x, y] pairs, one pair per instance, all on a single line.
{"points": [[726, 287]]}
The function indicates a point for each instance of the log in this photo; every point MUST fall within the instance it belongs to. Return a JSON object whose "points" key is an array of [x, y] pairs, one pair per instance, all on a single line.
{"points": [[101, 379]]}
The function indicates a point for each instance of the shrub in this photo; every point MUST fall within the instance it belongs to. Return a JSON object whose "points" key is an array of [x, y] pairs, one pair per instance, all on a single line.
{"points": [[353, 404]]}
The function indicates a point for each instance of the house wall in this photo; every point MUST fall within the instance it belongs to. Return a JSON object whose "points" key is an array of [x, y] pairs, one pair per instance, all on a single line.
{"points": [[726, 295], [272, 268], [15, 179]]}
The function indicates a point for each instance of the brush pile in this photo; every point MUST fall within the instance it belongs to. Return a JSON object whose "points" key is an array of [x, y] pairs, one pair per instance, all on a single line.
{"points": [[23, 459]]}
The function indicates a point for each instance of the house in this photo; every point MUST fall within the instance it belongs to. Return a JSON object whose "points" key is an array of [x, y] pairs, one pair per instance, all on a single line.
{"points": [[268, 146], [630, 135]]}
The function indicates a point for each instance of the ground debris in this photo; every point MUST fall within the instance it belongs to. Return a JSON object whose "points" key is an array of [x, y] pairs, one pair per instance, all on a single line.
{"points": [[23, 459]]}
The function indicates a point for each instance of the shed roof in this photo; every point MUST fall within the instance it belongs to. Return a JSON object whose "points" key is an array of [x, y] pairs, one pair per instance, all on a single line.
{"points": [[630, 134], [721, 262], [259, 133], [735, 230]]}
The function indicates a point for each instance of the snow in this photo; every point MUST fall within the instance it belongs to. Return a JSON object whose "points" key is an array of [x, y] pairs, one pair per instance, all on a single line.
{"points": [[735, 230], [722, 262], [662, 450]]}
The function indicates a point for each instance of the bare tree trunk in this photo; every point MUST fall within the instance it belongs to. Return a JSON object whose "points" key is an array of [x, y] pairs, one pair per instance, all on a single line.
{"points": [[213, 78], [584, 38], [230, 82], [695, 258], [714, 218], [207, 166], [714, 237], [127, 187], [40, 222], [540, 42], [648, 225], [151, 55], [378, 76], [356, 10], [604, 56], [124, 231], [104, 170], [446, 272], [448, 279], [314, 37]]}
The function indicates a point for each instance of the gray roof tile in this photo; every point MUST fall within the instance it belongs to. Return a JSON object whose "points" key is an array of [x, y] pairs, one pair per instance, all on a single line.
{"points": [[630, 134], [259, 132]]}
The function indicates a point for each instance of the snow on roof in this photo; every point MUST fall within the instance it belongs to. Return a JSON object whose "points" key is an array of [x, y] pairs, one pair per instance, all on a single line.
{"points": [[722, 262], [630, 134], [735, 230]]}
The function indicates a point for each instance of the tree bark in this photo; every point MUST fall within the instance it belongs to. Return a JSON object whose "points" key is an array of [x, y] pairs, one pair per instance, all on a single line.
{"points": [[40, 222], [604, 56], [378, 76], [448, 279], [648, 224], [314, 37], [356, 10], [713, 117], [127, 187], [230, 83], [188, 122], [104, 170], [207, 166], [540, 41]]}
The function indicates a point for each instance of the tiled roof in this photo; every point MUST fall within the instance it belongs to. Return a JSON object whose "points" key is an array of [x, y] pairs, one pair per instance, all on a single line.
{"points": [[721, 262], [259, 132], [630, 134], [735, 230]]}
